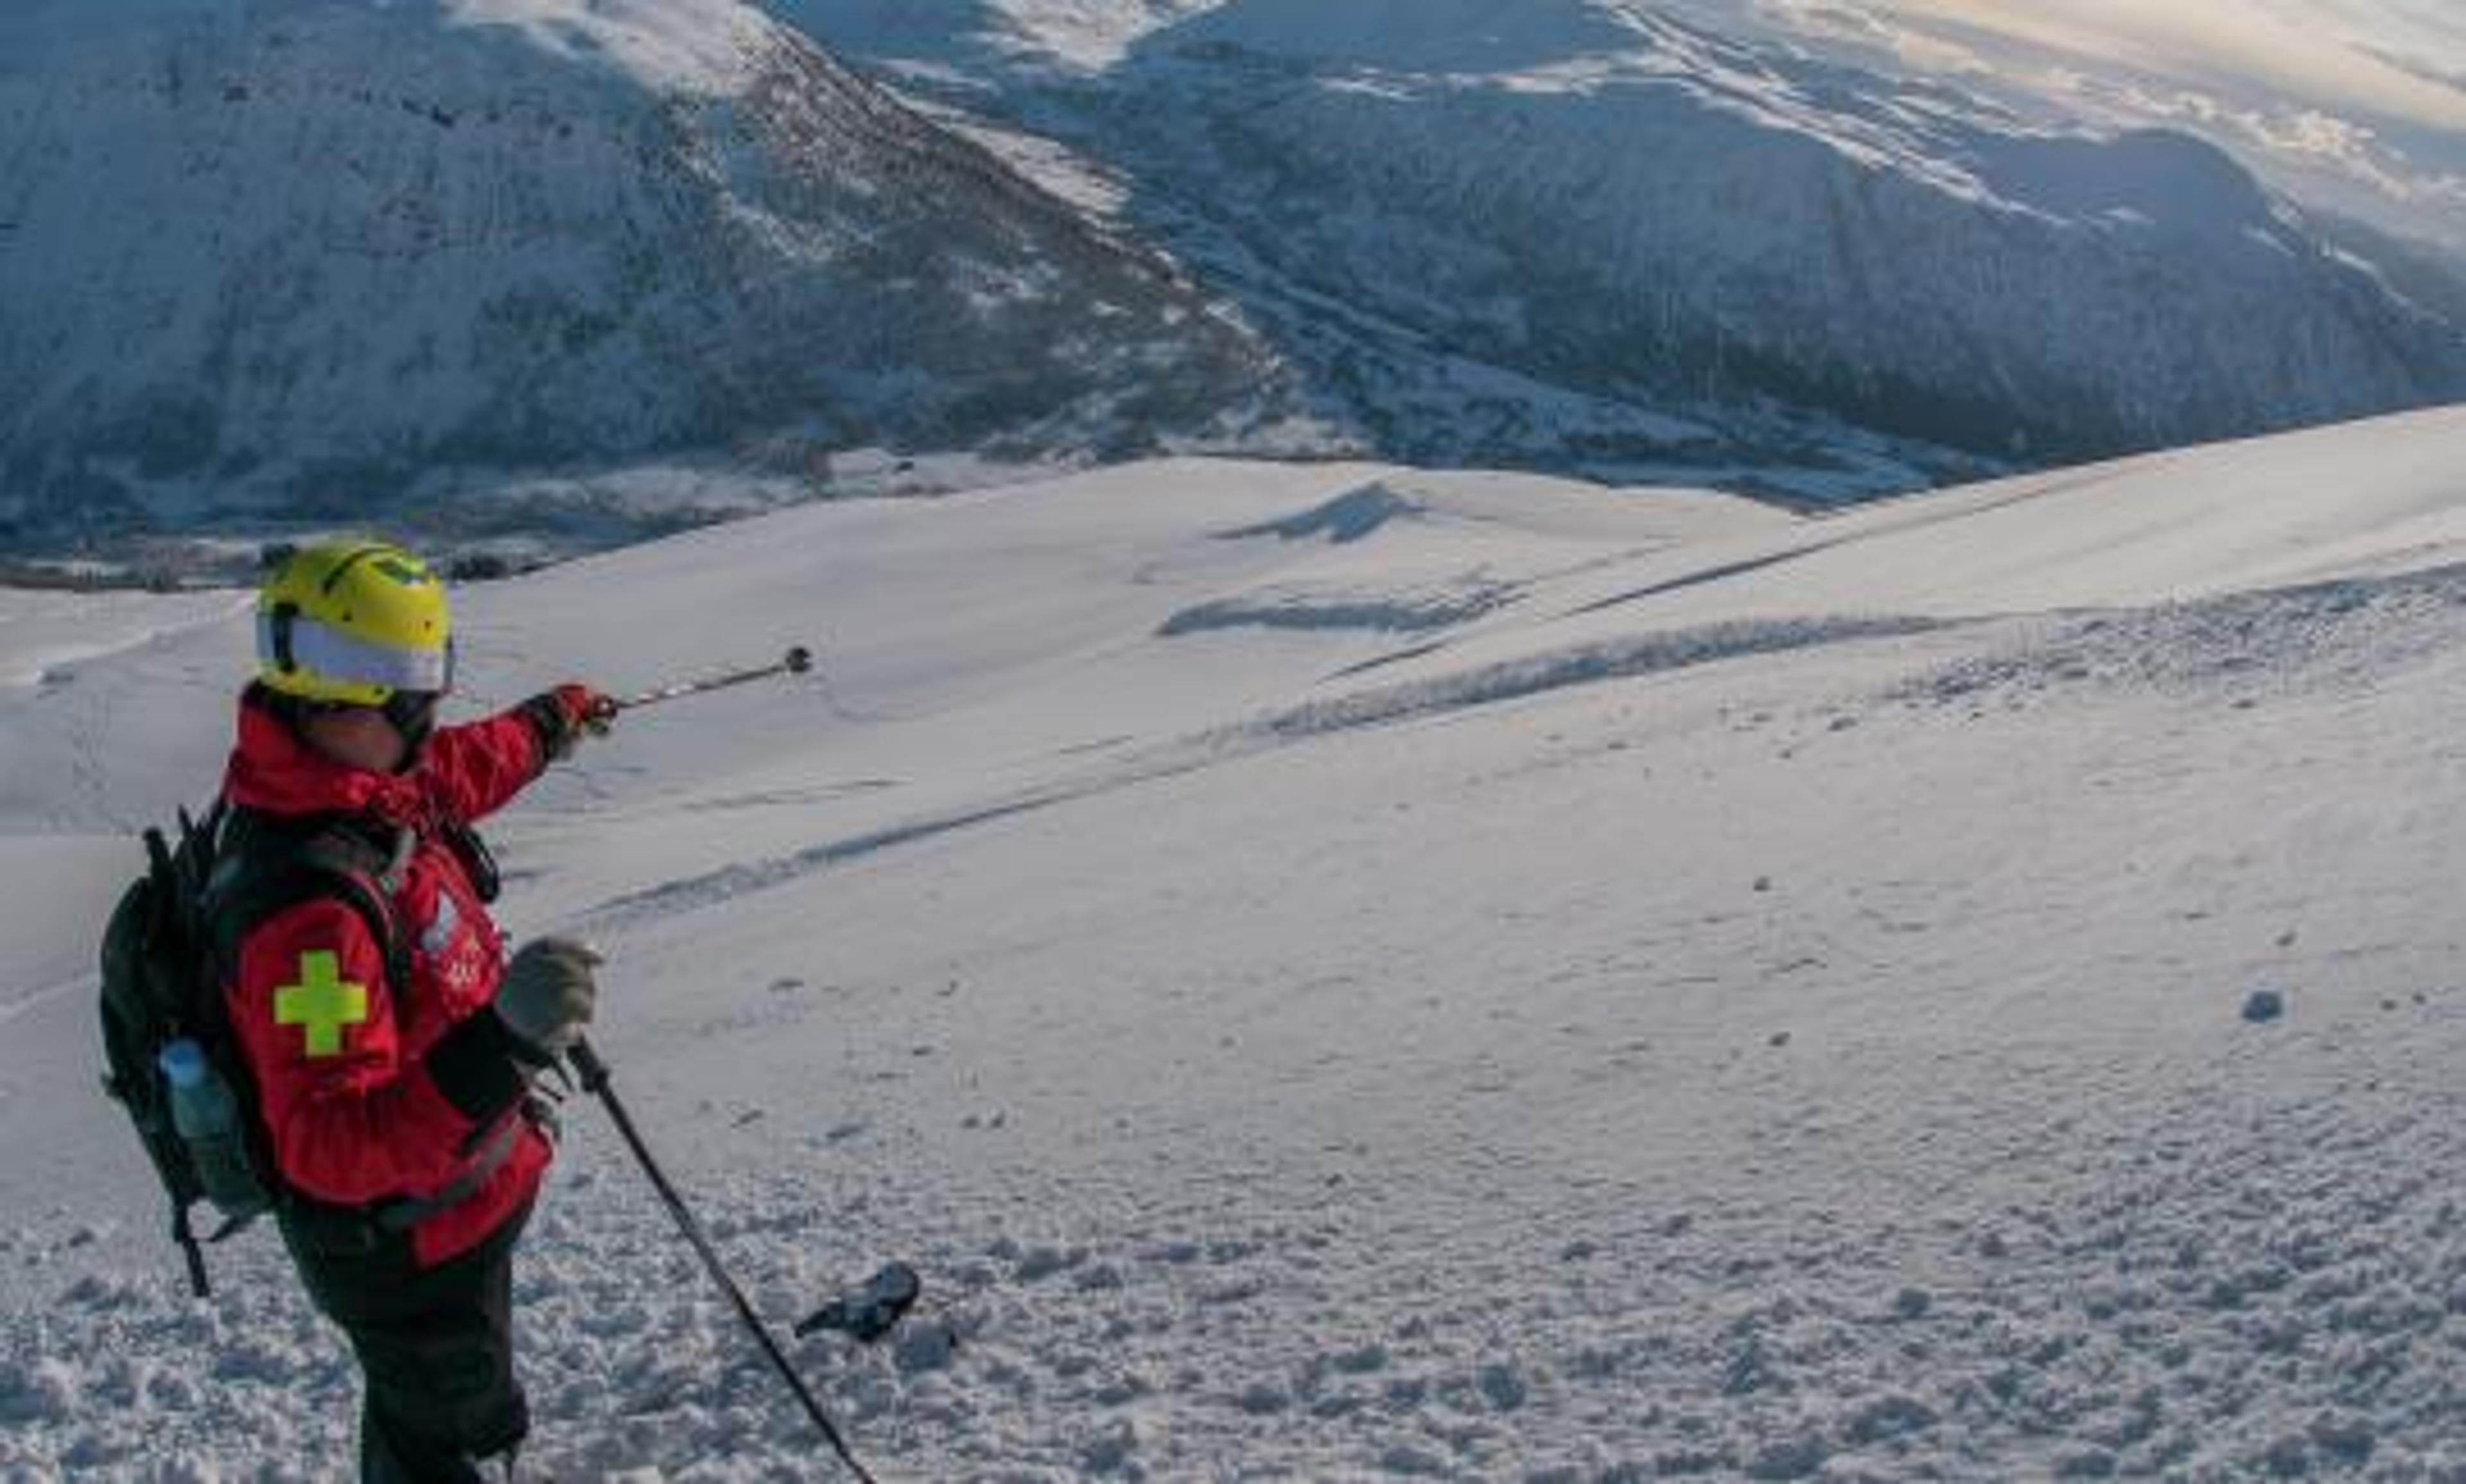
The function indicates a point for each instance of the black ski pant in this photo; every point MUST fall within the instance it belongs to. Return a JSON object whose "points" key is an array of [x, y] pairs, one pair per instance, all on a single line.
{"points": [[436, 1346]]}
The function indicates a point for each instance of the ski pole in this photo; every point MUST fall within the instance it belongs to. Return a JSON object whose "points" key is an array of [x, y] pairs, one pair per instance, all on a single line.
{"points": [[797, 662], [595, 1081]]}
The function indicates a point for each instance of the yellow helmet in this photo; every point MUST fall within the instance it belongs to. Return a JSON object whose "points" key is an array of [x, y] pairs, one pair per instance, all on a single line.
{"points": [[351, 623]]}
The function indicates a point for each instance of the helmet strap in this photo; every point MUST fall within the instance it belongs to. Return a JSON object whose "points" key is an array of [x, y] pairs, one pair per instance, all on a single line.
{"points": [[279, 633], [288, 709], [413, 713]]}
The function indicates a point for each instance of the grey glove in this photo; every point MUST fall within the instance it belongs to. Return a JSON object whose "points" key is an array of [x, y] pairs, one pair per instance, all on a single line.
{"points": [[547, 995]]}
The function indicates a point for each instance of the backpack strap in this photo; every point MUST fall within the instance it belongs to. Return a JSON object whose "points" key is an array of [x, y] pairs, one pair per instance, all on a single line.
{"points": [[348, 866], [273, 865], [396, 1216], [185, 1233]]}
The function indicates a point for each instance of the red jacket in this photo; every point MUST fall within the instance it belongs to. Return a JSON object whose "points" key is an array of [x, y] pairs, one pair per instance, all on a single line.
{"points": [[375, 1091]]}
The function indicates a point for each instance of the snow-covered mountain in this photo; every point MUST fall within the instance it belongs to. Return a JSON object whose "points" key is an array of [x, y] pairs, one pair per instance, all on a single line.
{"points": [[310, 255], [299, 258], [1340, 971], [1520, 232], [2353, 107]]}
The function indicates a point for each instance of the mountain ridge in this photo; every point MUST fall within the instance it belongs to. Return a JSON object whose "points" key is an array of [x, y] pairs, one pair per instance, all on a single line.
{"points": [[251, 276], [1622, 207]]}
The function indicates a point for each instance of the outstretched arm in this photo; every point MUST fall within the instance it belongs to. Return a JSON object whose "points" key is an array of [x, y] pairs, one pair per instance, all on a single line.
{"points": [[476, 768]]}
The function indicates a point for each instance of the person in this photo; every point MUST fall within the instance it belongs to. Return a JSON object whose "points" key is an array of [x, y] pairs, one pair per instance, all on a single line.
{"points": [[391, 1044]]}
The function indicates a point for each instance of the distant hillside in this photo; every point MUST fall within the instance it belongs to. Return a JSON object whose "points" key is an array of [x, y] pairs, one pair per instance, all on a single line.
{"points": [[1595, 205], [303, 256]]}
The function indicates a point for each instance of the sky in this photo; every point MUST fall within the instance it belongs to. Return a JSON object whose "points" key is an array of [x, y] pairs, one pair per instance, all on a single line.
{"points": [[2358, 104], [2378, 59]]}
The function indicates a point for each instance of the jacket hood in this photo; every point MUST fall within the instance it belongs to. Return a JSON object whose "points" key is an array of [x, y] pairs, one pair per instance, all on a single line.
{"points": [[271, 768]]}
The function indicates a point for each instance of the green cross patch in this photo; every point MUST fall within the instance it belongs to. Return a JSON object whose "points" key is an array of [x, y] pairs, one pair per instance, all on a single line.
{"points": [[321, 1004]]}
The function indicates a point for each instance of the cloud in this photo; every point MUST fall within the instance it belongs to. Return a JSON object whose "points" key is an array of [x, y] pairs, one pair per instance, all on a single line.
{"points": [[2306, 52], [2298, 138], [2362, 101], [2417, 66], [2227, 43], [1835, 21]]}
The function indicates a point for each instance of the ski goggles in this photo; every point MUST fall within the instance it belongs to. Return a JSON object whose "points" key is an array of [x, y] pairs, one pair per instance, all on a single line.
{"points": [[292, 641]]}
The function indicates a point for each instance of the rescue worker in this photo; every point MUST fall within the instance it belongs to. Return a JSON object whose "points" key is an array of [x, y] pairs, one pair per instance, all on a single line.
{"points": [[391, 1042]]}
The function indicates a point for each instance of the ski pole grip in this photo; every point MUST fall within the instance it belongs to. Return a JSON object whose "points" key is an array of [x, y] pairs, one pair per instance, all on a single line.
{"points": [[587, 1065]]}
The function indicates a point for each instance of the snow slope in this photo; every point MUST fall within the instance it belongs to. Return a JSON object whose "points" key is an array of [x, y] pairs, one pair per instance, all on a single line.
{"points": [[1342, 972]]}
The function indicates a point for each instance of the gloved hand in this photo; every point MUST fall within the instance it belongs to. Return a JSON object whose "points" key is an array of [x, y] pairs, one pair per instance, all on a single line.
{"points": [[564, 716], [548, 993]]}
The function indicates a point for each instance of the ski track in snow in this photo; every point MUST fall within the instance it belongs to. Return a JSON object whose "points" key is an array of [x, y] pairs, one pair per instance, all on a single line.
{"points": [[2030, 491], [35, 998], [737, 881], [1587, 664]]}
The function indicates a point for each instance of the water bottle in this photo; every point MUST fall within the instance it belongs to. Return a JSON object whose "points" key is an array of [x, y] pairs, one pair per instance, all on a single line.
{"points": [[208, 1117]]}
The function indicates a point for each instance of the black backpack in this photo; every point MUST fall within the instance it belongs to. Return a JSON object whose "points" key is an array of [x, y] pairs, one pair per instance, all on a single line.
{"points": [[166, 955]]}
